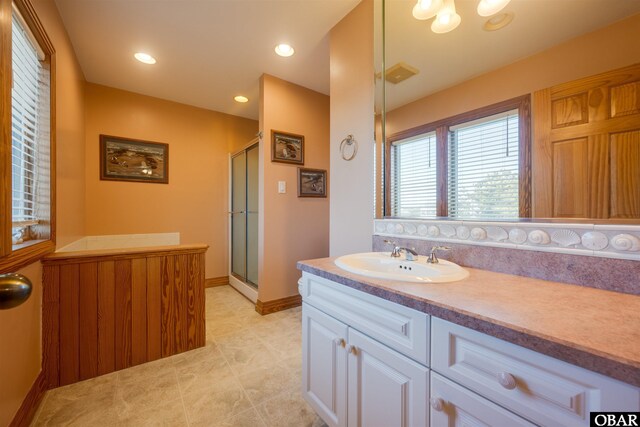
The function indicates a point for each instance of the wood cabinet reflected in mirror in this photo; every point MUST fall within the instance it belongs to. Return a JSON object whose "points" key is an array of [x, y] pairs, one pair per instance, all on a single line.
{"points": [[553, 48]]}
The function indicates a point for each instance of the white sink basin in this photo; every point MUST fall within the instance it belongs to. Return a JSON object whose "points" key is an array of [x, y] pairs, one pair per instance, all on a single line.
{"points": [[381, 265]]}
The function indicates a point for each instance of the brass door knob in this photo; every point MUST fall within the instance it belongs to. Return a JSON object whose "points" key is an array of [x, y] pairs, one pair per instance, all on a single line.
{"points": [[14, 290]]}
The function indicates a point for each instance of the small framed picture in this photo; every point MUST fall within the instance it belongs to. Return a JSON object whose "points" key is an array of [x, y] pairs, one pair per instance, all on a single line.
{"points": [[287, 147], [312, 182], [125, 159]]}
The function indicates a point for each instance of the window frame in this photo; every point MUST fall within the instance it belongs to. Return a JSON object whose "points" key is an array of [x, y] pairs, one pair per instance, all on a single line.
{"points": [[442, 129], [13, 258]]}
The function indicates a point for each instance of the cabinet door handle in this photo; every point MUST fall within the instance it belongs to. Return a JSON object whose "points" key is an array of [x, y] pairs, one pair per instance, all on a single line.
{"points": [[437, 404], [340, 342], [353, 350], [506, 380]]}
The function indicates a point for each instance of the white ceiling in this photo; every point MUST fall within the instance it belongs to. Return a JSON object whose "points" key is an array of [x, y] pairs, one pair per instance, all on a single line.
{"points": [[445, 60], [208, 51]]}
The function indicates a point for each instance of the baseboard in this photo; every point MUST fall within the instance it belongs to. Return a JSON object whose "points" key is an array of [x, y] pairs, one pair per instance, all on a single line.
{"points": [[216, 281], [29, 406], [266, 307]]}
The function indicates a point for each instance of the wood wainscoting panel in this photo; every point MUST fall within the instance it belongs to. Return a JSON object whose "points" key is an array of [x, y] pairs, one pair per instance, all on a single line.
{"points": [[104, 312], [51, 325], [88, 307], [69, 324], [266, 307], [123, 313], [154, 308], [168, 307], [106, 317], [138, 311]]}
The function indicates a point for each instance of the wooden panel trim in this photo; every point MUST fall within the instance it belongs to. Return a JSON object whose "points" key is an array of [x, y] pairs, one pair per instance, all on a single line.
{"points": [[5, 131], [26, 256], [216, 281], [122, 253], [51, 325], [266, 307], [30, 404]]}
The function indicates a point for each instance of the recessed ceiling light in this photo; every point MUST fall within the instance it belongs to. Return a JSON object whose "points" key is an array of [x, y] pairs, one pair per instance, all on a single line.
{"points": [[241, 98], [499, 21], [145, 58], [284, 49]]}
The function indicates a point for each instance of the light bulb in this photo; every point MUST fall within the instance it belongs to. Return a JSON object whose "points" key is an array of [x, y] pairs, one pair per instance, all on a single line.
{"points": [[426, 9], [241, 99], [447, 19], [491, 7]]}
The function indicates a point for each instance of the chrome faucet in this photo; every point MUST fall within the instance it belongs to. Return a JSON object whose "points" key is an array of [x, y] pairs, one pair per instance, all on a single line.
{"points": [[433, 258], [410, 253]]}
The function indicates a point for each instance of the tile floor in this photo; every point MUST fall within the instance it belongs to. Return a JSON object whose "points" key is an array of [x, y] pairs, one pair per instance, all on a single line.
{"points": [[248, 374]]}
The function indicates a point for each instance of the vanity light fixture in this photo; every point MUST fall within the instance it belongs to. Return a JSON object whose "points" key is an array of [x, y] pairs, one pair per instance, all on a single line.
{"points": [[447, 18], [284, 49], [426, 9], [491, 7], [241, 99], [145, 58]]}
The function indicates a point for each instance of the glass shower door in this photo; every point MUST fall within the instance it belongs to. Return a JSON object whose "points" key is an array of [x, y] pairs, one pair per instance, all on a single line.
{"points": [[244, 215]]}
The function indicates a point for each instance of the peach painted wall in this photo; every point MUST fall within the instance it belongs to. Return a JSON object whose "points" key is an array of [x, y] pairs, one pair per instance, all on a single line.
{"points": [[291, 228], [352, 98], [20, 342], [612, 47], [195, 202]]}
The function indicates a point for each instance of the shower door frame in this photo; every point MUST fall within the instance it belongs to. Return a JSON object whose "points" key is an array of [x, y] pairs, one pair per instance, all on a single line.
{"points": [[249, 291]]}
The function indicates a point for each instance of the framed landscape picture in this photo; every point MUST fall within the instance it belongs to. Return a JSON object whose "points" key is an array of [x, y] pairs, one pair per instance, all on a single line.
{"points": [[125, 159], [312, 182], [287, 147]]}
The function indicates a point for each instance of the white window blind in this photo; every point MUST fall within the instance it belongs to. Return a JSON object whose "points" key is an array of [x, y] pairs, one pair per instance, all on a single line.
{"points": [[413, 177], [483, 168], [30, 129]]}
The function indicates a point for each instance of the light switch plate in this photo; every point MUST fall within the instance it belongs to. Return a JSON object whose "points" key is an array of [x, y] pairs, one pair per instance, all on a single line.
{"points": [[282, 187]]}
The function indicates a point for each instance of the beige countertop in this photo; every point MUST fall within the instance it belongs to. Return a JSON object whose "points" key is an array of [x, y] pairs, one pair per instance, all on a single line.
{"points": [[598, 330]]}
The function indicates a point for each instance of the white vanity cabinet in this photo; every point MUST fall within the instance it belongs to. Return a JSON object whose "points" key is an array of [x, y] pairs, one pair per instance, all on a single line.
{"points": [[351, 379], [369, 362]]}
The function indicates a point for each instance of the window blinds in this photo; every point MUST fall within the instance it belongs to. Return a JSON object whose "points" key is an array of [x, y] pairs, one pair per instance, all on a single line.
{"points": [[413, 177], [30, 128], [483, 168]]}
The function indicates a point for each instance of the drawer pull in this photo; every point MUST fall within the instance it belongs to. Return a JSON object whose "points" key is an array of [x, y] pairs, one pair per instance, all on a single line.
{"points": [[506, 380], [340, 342], [353, 350], [437, 404]]}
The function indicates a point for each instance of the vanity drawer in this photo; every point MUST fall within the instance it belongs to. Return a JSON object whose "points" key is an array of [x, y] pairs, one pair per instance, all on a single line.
{"points": [[539, 388], [452, 405], [401, 328]]}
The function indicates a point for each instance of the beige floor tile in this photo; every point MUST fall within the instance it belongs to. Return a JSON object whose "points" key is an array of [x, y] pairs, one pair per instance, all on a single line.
{"points": [[221, 401], [147, 393], [163, 414], [248, 374], [262, 384], [288, 410]]}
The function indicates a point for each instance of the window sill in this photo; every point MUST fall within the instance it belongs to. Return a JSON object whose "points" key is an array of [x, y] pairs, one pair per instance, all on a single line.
{"points": [[24, 254]]}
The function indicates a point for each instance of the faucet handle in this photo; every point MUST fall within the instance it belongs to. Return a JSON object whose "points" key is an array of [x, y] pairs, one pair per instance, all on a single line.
{"points": [[433, 258], [395, 252]]}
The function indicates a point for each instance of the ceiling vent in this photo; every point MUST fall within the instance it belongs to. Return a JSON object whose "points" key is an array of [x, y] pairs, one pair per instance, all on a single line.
{"points": [[400, 72]]}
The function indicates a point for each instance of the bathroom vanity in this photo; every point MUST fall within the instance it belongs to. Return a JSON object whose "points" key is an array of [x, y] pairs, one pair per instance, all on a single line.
{"points": [[491, 349]]}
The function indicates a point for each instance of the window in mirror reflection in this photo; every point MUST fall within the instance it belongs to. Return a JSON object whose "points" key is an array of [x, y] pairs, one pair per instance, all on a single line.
{"points": [[473, 165], [483, 168]]}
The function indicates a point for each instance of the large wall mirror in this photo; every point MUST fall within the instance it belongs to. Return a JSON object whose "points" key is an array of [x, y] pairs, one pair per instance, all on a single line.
{"points": [[529, 112]]}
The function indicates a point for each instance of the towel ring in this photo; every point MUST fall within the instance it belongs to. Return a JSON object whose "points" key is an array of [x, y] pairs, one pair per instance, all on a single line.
{"points": [[348, 141]]}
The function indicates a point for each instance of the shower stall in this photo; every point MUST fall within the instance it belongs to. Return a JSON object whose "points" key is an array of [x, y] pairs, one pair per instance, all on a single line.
{"points": [[244, 220]]}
